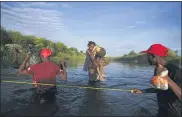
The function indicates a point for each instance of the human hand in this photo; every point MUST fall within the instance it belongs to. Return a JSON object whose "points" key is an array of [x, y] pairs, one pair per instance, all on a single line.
{"points": [[164, 75], [62, 63], [27, 57], [137, 91]]}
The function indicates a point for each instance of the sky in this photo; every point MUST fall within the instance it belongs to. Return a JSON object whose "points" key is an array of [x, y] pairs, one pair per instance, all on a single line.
{"points": [[119, 27]]}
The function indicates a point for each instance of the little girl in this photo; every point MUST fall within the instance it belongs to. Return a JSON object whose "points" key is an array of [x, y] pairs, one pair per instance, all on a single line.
{"points": [[89, 55]]}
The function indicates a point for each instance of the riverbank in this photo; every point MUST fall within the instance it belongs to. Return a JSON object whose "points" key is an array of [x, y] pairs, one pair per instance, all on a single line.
{"points": [[141, 58], [13, 39]]}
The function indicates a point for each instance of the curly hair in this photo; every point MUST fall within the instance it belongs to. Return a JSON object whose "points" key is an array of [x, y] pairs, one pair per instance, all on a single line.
{"points": [[91, 42]]}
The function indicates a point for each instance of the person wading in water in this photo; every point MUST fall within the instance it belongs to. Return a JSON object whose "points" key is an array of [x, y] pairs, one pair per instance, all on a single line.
{"points": [[44, 72], [169, 101], [95, 62], [88, 65], [100, 57], [15, 63]]}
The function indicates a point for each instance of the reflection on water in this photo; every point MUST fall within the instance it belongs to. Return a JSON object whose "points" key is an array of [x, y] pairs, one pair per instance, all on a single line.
{"points": [[88, 108], [73, 63], [16, 98]]}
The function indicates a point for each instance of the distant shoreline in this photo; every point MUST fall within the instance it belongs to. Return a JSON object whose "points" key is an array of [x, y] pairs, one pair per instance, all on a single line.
{"points": [[142, 59]]}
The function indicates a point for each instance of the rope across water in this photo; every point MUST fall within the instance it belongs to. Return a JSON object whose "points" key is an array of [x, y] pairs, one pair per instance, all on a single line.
{"points": [[68, 86]]}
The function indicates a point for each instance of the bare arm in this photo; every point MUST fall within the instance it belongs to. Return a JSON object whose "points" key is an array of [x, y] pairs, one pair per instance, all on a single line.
{"points": [[89, 52], [98, 68], [175, 88], [22, 70], [64, 75]]}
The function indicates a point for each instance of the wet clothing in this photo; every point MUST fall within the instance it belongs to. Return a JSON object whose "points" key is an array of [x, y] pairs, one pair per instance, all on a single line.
{"points": [[90, 67], [92, 72], [93, 75], [87, 62], [44, 72], [47, 96], [168, 102], [91, 63]]}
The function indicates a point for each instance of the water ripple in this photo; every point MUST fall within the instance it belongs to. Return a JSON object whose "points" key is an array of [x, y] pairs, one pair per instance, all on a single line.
{"points": [[85, 102]]}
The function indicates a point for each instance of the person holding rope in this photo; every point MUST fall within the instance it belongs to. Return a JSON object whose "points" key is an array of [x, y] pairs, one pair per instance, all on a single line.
{"points": [[169, 101], [44, 72]]}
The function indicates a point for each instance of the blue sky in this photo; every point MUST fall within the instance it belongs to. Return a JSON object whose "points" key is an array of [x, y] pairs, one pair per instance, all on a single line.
{"points": [[117, 26]]}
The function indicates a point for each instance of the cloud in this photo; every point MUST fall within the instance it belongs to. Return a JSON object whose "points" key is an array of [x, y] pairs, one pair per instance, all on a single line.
{"points": [[34, 15], [37, 4], [131, 26], [35, 21], [65, 5], [118, 27], [45, 4], [4, 5], [140, 22]]}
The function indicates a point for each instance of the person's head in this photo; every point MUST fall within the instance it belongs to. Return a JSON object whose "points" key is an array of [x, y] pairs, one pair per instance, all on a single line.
{"points": [[91, 45], [45, 54], [156, 54], [17, 51]]}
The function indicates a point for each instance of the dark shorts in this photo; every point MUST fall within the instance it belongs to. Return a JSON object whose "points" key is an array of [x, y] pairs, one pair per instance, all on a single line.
{"points": [[48, 95], [92, 70], [93, 76]]}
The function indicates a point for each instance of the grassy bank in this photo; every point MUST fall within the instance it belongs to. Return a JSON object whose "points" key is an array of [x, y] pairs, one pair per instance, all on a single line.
{"points": [[11, 39]]}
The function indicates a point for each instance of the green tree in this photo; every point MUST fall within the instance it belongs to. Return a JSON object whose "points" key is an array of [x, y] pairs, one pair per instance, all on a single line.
{"points": [[16, 36], [132, 53], [16, 39], [5, 37], [124, 55], [60, 47], [171, 53]]}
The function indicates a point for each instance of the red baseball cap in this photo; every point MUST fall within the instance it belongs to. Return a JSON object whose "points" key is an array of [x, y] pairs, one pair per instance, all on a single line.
{"points": [[46, 52], [157, 49]]}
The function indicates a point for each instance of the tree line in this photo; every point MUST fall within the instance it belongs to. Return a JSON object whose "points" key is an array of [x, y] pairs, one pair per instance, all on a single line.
{"points": [[132, 56], [59, 49]]}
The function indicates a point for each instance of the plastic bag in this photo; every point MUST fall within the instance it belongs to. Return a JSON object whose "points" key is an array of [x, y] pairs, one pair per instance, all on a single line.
{"points": [[34, 58], [159, 82]]}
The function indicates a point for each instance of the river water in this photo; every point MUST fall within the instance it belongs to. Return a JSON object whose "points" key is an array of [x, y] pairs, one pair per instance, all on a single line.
{"points": [[15, 98]]}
